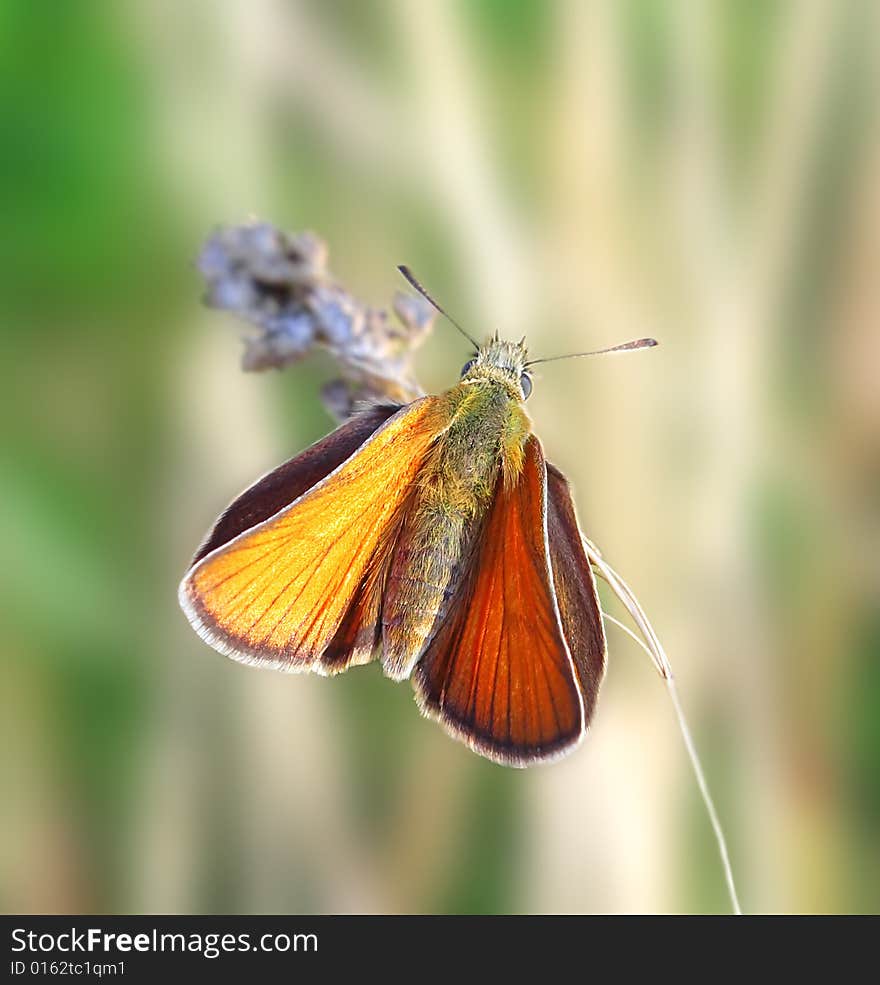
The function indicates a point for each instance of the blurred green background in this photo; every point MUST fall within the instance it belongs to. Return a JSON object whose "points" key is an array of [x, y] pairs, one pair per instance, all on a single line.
{"points": [[581, 172]]}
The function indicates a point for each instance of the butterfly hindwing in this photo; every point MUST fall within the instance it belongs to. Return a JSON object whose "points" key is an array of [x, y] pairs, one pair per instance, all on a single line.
{"points": [[575, 589]]}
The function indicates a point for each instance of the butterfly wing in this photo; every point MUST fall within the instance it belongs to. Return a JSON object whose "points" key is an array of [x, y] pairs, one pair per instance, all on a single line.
{"points": [[281, 486], [575, 590], [498, 674], [306, 580]]}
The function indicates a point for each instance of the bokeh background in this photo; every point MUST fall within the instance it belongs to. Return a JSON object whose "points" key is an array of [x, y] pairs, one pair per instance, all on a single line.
{"points": [[583, 172]]}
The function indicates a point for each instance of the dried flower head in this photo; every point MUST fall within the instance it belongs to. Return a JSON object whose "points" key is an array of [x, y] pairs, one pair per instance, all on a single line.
{"points": [[279, 282]]}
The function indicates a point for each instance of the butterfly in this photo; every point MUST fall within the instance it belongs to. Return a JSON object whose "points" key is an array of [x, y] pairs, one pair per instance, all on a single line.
{"points": [[436, 537]]}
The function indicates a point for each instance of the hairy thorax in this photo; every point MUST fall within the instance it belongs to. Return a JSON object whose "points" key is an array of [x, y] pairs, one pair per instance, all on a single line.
{"points": [[482, 445]]}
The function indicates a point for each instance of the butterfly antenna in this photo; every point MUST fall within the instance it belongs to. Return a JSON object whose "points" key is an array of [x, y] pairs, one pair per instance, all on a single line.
{"points": [[411, 280], [623, 347]]}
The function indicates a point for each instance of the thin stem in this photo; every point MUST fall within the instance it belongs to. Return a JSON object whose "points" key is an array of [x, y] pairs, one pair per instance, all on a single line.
{"points": [[627, 596], [651, 645], [707, 797]]}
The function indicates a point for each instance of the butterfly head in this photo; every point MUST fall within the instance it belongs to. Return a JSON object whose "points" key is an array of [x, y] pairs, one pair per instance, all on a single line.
{"points": [[507, 363], [502, 362]]}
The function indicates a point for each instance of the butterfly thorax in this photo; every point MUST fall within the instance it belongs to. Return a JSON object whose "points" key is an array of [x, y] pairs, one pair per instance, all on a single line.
{"points": [[482, 445]]}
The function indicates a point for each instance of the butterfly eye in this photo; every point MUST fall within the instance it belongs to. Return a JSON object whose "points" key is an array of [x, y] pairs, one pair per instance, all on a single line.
{"points": [[467, 367], [525, 381]]}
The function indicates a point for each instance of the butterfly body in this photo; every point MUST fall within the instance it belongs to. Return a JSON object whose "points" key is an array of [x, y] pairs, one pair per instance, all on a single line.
{"points": [[485, 435], [434, 535]]}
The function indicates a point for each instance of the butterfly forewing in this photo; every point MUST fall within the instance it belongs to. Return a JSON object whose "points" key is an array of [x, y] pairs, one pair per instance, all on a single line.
{"points": [[279, 592], [358, 635], [498, 672], [281, 486]]}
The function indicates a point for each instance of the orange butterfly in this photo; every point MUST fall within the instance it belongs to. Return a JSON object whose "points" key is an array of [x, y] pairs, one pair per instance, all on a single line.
{"points": [[437, 534]]}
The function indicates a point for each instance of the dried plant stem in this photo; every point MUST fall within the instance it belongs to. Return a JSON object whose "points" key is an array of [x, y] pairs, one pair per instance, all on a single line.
{"points": [[625, 594], [651, 645], [707, 797]]}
